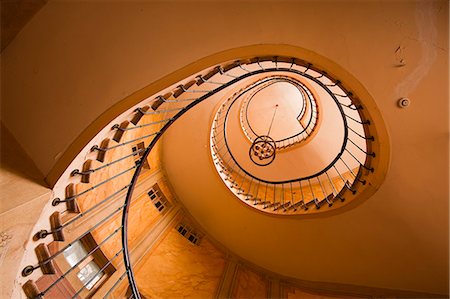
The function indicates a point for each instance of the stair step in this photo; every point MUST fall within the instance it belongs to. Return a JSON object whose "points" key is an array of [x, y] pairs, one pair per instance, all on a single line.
{"points": [[120, 130], [30, 289], [45, 263], [71, 203], [139, 114], [56, 224]]}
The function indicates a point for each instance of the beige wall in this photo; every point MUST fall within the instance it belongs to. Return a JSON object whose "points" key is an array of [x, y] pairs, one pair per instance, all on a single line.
{"points": [[178, 269], [22, 197]]}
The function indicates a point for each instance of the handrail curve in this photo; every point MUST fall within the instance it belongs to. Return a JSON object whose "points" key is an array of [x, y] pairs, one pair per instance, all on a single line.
{"points": [[148, 123]]}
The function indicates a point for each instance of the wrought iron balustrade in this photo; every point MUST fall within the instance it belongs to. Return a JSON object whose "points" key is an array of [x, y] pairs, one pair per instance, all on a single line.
{"points": [[113, 166]]}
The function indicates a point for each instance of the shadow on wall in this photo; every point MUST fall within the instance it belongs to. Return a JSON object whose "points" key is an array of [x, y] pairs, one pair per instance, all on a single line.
{"points": [[15, 160]]}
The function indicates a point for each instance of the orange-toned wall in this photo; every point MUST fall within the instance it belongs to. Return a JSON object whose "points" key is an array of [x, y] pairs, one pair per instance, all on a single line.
{"points": [[298, 293], [249, 284], [178, 269]]}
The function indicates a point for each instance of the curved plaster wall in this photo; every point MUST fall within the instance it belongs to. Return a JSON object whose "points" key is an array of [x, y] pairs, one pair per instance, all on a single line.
{"points": [[75, 60]]}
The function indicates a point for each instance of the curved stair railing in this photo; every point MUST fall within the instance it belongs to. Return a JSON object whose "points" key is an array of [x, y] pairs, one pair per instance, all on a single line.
{"points": [[286, 196], [307, 118], [100, 194]]}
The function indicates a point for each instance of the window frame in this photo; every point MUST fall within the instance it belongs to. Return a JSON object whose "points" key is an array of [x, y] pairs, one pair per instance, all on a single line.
{"points": [[158, 199]]}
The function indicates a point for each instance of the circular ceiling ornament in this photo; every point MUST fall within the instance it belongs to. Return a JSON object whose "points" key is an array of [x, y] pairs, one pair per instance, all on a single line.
{"points": [[263, 150]]}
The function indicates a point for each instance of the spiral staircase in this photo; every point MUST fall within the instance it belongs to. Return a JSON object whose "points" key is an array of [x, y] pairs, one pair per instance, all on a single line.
{"points": [[262, 171], [104, 192], [315, 186]]}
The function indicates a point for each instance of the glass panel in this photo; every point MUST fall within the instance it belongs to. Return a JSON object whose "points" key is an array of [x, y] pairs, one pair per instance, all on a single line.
{"points": [[74, 253], [90, 272]]}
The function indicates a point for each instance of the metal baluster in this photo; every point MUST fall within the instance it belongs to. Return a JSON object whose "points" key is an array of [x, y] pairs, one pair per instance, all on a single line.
{"points": [[43, 233], [369, 154], [370, 169], [115, 284], [79, 262], [256, 197], [315, 200], [98, 272], [354, 175], [335, 193], [303, 198], [29, 269], [324, 194], [57, 201], [265, 197]]}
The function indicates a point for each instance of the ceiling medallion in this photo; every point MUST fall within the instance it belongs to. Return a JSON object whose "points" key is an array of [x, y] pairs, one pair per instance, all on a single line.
{"points": [[263, 148]]}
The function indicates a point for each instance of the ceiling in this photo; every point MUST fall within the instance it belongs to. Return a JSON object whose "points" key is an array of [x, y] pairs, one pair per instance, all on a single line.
{"points": [[75, 60], [14, 15]]}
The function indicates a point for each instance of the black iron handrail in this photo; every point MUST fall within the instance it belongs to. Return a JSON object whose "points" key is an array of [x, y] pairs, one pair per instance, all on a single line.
{"points": [[344, 143], [232, 73], [204, 97]]}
